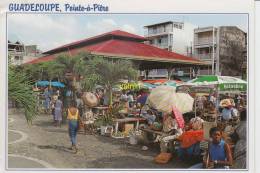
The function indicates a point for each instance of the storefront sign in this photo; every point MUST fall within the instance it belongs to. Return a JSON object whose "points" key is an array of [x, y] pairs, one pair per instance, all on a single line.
{"points": [[232, 87], [130, 86]]}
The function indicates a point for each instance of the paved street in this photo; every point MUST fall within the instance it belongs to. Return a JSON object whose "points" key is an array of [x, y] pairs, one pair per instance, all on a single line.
{"points": [[43, 145]]}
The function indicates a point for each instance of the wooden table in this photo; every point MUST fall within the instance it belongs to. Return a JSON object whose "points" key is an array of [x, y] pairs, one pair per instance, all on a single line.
{"points": [[102, 109], [126, 120]]}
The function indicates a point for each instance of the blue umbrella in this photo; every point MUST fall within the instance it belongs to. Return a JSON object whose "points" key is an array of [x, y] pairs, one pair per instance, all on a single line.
{"points": [[42, 83], [170, 83], [57, 84]]}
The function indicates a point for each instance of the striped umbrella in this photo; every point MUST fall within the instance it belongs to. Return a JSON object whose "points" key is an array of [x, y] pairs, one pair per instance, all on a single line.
{"points": [[224, 83]]}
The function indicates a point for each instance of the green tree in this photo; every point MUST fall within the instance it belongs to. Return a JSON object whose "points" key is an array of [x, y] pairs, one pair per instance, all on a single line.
{"points": [[91, 69], [108, 72], [20, 91]]}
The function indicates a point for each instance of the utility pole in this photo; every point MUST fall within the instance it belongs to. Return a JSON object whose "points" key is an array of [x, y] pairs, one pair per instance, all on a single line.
{"points": [[217, 53], [213, 52]]}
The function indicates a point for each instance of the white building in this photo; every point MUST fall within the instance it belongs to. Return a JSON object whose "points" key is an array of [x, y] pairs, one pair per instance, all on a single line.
{"points": [[20, 53], [173, 36], [176, 37]]}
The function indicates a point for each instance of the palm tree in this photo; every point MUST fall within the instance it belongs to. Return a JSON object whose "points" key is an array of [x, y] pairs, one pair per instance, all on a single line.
{"points": [[93, 70], [20, 91], [109, 72]]}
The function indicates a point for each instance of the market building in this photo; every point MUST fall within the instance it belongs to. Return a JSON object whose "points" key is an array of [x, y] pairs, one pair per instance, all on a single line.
{"points": [[124, 45], [224, 48]]}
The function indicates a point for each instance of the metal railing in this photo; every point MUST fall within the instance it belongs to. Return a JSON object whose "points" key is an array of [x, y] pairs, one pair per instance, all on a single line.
{"points": [[205, 57], [203, 41]]}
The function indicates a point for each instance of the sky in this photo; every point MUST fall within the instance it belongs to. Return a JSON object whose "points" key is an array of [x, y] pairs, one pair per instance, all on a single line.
{"points": [[48, 31]]}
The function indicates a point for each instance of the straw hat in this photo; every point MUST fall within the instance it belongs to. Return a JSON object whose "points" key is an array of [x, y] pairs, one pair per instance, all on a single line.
{"points": [[55, 97], [225, 103]]}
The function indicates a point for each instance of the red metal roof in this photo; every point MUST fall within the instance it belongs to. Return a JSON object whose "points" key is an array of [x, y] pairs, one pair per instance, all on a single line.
{"points": [[109, 35], [129, 49]]}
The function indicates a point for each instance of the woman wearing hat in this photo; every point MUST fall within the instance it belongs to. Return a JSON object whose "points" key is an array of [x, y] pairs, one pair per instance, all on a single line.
{"points": [[228, 111]]}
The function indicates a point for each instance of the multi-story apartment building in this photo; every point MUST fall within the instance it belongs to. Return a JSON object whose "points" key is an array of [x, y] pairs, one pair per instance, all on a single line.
{"points": [[205, 40], [222, 47], [20, 53], [173, 36]]}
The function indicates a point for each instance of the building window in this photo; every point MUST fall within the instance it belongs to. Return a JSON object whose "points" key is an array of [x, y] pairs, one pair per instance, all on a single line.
{"points": [[178, 26], [154, 30], [16, 58], [181, 26]]}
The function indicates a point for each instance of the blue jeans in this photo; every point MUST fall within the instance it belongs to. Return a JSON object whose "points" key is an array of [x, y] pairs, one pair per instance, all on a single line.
{"points": [[73, 129]]}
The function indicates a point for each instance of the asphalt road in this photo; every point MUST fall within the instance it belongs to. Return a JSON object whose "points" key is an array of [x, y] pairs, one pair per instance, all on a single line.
{"points": [[44, 146]]}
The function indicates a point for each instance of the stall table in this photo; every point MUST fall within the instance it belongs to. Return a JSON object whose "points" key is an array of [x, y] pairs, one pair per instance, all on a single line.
{"points": [[101, 109], [126, 120]]}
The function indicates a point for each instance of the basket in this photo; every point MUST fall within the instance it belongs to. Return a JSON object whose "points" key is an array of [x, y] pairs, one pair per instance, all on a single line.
{"points": [[163, 158], [90, 99]]}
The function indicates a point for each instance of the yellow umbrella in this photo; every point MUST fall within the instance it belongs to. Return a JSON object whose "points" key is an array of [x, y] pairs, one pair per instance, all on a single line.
{"points": [[163, 98]]}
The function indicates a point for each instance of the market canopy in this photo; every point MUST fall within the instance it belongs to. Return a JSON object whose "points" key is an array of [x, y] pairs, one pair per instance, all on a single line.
{"points": [[42, 83], [223, 83], [57, 84], [47, 83]]}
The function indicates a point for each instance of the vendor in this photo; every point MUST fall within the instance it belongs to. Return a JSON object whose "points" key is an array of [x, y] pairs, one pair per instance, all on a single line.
{"points": [[149, 115], [123, 96], [190, 145], [228, 112], [171, 131], [241, 145], [130, 99], [88, 121], [190, 140]]}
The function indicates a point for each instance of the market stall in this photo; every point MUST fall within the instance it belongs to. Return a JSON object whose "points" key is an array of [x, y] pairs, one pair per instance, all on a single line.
{"points": [[214, 87], [226, 94]]}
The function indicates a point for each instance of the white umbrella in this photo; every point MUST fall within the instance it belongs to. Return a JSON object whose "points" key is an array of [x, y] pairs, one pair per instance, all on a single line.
{"points": [[163, 98]]}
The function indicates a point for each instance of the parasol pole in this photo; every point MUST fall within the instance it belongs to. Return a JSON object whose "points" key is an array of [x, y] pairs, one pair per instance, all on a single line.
{"points": [[195, 106], [217, 102]]}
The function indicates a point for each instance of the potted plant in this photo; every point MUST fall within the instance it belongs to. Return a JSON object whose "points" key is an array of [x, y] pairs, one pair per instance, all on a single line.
{"points": [[105, 123]]}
